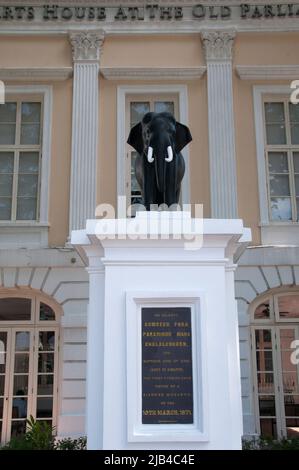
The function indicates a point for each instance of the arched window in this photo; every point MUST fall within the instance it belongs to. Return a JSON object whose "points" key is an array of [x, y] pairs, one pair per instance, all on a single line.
{"points": [[29, 338], [275, 346]]}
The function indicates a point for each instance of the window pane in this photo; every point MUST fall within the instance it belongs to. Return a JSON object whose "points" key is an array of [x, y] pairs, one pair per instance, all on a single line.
{"points": [[21, 363], [278, 162], [29, 162], [265, 381], [288, 306], [138, 110], [5, 209], [18, 427], [46, 362], [274, 112], [19, 407], [26, 208], [27, 185], [30, 124], [286, 338], [296, 161], [268, 428], [6, 185], [44, 407], [263, 339], [8, 112], [164, 107], [2, 362], [22, 341], [275, 123], [46, 313], [290, 382], [297, 185], [267, 405], [31, 113], [8, 123], [294, 119], [286, 362], [279, 185], [292, 427], [20, 386], [295, 133], [262, 311], [30, 134], [294, 112], [6, 162], [46, 341], [45, 385], [281, 208], [3, 341], [15, 309], [291, 405], [7, 134], [264, 361], [2, 382], [297, 203]]}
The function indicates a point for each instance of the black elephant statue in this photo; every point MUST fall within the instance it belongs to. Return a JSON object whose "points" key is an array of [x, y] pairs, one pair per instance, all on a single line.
{"points": [[159, 167]]}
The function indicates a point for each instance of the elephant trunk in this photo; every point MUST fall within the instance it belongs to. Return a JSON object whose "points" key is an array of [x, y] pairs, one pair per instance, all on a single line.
{"points": [[163, 156]]}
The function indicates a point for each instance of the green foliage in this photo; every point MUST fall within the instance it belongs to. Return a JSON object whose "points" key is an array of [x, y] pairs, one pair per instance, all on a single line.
{"points": [[40, 436], [71, 444], [261, 443], [18, 443]]}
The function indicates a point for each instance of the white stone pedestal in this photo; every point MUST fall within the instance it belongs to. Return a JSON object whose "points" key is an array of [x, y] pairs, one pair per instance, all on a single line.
{"points": [[130, 270]]}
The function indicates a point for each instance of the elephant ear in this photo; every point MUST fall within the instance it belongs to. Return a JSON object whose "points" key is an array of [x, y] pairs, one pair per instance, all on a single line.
{"points": [[135, 138], [183, 136]]}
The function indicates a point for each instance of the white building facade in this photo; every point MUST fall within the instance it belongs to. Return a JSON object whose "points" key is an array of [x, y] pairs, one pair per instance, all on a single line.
{"points": [[76, 79]]}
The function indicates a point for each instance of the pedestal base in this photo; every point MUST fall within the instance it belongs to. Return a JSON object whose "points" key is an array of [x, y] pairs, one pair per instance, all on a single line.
{"points": [[163, 353]]}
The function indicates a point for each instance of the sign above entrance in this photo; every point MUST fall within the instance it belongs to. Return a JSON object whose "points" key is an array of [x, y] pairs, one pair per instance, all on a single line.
{"points": [[148, 12]]}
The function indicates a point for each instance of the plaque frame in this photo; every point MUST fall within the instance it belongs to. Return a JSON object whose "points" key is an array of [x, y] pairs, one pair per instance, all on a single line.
{"points": [[136, 430]]}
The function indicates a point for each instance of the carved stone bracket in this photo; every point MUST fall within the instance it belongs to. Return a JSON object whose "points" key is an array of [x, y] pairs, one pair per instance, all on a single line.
{"points": [[87, 46], [218, 45]]}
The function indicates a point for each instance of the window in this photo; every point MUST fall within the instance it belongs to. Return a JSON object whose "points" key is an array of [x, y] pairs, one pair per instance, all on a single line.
{"points": [[281, 129], [20, 156], [29, 339], [137, 107], [276, 373]]}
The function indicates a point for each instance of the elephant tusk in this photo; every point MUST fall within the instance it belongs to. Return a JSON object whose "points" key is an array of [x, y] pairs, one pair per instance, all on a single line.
{"points": [[150, 157], [170, 154]]}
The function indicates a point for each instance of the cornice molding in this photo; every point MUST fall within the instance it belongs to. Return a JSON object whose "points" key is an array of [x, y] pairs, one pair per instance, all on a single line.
{"points": [[267, 72], [218, 45], [148, 73], [87, 45], [36, 73]]}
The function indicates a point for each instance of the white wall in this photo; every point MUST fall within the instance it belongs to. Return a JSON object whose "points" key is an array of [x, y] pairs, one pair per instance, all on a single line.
{"points": [[61, 275], [259, 269]]}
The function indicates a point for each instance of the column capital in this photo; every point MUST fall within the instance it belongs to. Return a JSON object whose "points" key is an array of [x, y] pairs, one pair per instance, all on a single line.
{"points": [[218, 45], [87, 45]]}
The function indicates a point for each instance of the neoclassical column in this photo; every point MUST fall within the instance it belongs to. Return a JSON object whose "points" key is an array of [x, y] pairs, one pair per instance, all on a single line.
{"points": [[218, 48], [86, 48]]}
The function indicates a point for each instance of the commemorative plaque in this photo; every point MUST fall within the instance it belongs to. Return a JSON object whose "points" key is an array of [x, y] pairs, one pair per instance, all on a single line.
{"points": [[167, 380]]}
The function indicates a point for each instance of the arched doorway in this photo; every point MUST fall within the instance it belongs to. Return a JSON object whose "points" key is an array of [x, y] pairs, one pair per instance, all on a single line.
{"points": [[275, 358], [29, 337]]}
